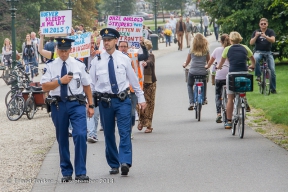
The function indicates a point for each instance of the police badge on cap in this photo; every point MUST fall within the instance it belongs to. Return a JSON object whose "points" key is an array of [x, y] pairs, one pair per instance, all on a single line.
{"points": [[109, 33], [64, 43]]}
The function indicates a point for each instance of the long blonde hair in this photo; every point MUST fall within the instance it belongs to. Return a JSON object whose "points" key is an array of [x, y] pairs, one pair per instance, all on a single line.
{"points": [[8, 40], [200, 45]]}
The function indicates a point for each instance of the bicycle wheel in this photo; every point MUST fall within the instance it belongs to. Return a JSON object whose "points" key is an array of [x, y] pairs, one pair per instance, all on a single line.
{"points": [[266, 89], [241, 122], [235, 121], [224, 106], [8, 97], [30, 107], [15, 108], [199, 107]]}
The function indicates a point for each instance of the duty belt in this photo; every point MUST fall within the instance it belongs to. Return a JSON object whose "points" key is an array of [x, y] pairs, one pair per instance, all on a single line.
{"points": [[122, 95], [69, 98]]}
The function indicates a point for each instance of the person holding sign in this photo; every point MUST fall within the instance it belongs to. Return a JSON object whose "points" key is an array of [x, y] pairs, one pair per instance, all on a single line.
{"points": [[66, 79], [111, 75]]}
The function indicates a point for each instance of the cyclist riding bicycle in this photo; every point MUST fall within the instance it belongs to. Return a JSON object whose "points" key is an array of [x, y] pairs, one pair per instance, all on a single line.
{"points": [[263, 39], [237, 55], [220, 74], [199, 56]]}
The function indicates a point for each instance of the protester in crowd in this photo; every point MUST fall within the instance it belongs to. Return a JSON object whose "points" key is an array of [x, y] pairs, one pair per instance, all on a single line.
{"points": [[180, 30], [49, 46], [206, 23], [199, 56], [145, 32], [81, 28], [237, 55], [216, 27], [189, 31], [29, 55], [111, 75], [262, 39], [146, 116], [220, 77], [36, 41], [7, 53]]}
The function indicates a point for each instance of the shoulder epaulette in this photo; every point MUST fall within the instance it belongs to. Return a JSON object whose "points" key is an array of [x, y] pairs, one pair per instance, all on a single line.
{"points": [[49, 61], [78, 60], [126, 54]]}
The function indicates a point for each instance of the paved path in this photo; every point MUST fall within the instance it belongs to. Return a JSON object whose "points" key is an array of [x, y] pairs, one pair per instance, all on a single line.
{"points": [[181, 154]]}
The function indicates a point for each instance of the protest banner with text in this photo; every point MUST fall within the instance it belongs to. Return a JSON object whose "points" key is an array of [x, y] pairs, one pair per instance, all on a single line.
{"points": [[129, 27], [56, 23], [81, 46]]}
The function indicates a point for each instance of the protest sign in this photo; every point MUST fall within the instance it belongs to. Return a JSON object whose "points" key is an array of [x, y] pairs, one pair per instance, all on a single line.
{"points": [[81, 46], [56, 23], [129, 27]]}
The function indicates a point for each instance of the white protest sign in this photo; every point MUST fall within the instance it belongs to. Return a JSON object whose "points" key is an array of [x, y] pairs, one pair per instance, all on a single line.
{"points": [[56, 23], [81, 46], [129, 27]]}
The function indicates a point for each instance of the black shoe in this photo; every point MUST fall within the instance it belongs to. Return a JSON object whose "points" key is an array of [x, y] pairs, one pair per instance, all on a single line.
{"points": [[258, 78], [66, 179], [114, 171], [82, 178], [124, 169], [273, 91]]}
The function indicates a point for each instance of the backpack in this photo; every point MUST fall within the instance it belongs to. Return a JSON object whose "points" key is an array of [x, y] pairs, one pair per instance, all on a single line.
{"points": [[29, 50]]}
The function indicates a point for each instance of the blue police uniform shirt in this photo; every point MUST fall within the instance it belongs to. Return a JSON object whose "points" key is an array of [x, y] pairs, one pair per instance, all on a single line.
{"points": [[123, 70], [53, 71]]}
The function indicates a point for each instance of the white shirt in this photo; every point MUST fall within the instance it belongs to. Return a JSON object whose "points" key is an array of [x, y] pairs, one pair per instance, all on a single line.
{"points": [[145, 33], [173, 23], [123, 70], [205, 21], [53, 71]]}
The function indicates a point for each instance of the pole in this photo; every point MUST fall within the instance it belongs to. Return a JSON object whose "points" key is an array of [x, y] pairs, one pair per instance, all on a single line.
{"points": [[155, 15], [13, 16]]}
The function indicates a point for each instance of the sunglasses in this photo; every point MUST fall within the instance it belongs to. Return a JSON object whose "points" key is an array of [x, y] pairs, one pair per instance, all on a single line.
{"points": [[263, 23]]}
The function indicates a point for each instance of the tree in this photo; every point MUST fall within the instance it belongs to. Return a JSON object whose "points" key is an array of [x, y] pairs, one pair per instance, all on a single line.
{"points": [[244, 15], [109, 7]]}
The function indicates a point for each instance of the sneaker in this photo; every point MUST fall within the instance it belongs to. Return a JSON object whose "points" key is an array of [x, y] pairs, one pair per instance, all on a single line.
{"points": [[258, 78], [70, 132], [191, 107], [273, 91], [132, 136], [219, 119], [248, 109], [205, 102], [228, 125], [92, 139], [101, 129]]}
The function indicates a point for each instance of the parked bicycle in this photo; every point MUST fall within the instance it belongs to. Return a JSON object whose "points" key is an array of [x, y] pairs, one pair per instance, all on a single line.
{"points": [[264, 82], [239, 83]]}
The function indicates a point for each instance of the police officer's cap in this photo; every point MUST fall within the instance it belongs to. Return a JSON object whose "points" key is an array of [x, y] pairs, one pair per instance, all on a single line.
{"points": [[64, 43], [109, 33]]}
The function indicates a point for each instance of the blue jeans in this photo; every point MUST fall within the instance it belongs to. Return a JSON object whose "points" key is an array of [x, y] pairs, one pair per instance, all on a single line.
{"points": [[134, 101], [171, 37], [271, 65], [205, 31], [167, 39], [92, 123]]}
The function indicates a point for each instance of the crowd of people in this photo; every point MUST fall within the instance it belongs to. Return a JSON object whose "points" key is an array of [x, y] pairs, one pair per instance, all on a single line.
{"points": [[106, 86]]}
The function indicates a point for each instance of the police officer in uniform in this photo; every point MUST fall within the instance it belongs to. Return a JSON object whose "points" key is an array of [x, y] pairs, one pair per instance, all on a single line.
{"points": [[66, 79], [111, 75]]}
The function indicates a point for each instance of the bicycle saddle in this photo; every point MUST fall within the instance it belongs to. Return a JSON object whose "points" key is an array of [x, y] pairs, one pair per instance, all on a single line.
{"points": [[34, 88]]}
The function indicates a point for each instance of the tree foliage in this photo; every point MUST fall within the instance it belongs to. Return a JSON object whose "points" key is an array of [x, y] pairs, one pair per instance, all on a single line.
{"points": [[28, 15], [244, 15], [110, 7]]}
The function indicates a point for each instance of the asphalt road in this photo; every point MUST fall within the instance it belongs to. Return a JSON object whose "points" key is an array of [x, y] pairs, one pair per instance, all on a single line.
{"points": [[181, 154]]}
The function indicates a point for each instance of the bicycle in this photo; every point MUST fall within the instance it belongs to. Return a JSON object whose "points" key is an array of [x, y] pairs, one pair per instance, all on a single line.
{"points": [[16, 106], [224, 99], [198, 91], [239, 83], [264, 85]]}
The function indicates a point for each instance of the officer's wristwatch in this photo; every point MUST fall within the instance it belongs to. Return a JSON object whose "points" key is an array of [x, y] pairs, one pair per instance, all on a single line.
{"points": [[91, 106]]}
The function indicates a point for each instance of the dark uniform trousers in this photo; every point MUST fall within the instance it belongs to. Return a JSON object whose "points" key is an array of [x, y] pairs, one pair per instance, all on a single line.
{"points": [[122, 111], [77, 114]]}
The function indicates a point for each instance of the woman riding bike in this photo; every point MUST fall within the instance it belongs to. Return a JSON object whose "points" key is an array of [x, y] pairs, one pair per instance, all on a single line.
{"points": [[237, 55]]}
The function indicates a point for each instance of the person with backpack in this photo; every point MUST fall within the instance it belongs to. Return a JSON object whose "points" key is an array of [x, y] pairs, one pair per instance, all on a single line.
{"points": [[29, 55]]}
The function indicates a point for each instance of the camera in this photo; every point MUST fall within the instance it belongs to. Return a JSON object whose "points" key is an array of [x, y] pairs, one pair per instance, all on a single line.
{"points": [[259, 33]]}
